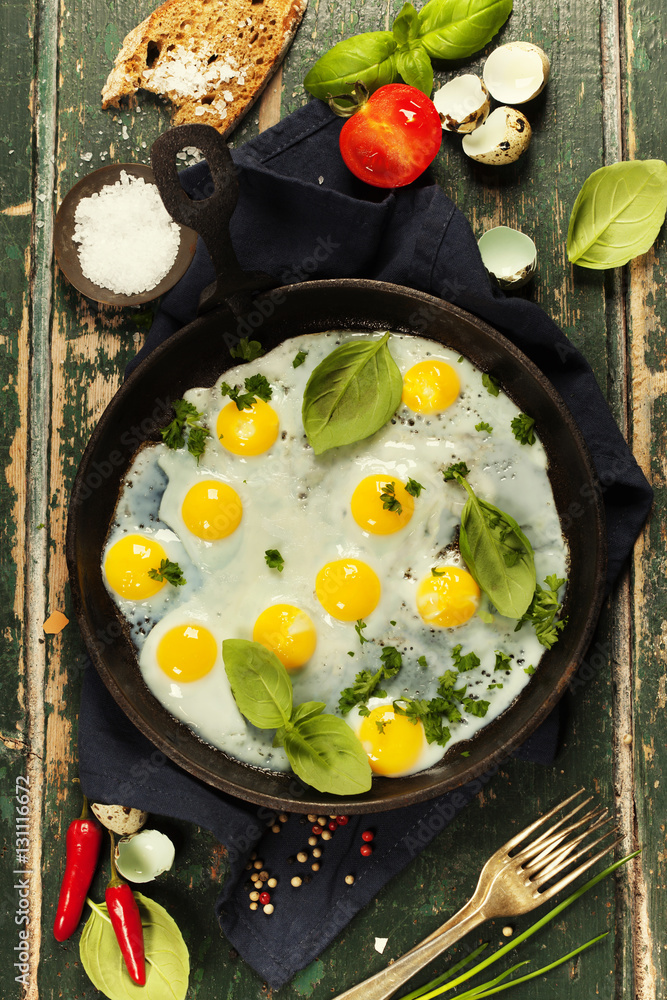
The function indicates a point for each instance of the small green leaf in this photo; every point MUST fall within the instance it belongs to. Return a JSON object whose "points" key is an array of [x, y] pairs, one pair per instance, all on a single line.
{"points": [[483, 426], [414, 488], [247, 350], [359, 628], [351, 394], [618, 214], [457, 468], [522, 429], [389, 500], [456, 29], [260, 683], [168, 571], [325, 753], [415, 68], [406, 25], [167, 959], [307, 710], [369, 58], [274, 560], [491, 384], [299, 358]]}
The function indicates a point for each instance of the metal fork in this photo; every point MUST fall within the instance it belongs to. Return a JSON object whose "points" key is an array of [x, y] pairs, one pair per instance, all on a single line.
{"points": [[509, 884]]}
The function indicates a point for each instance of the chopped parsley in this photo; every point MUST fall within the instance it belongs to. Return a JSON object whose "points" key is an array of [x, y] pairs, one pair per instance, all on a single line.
{"points": [[464, 753], [169, 571], [522, 428], [491, 384], [463, 663], [247, 350], [422, 661], [490, 687], [427, 712], [392, 623], [366, 683], [274, 560], [299, 358], [460, 359], [543, 611], [476, 706], [458, 468], [503, 661], [256, 386], [529, 670], [187, 418], [483, 426], [359, 628], [389, 499], [413, 487]]}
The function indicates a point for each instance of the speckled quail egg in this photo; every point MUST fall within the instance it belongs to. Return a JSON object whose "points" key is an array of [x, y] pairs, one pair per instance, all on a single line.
{"points": [[501, 139], [516, 72], [463, 103]]}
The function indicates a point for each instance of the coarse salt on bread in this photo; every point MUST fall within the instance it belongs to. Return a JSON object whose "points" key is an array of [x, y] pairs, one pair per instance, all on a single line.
{"points": [[211, 60]]}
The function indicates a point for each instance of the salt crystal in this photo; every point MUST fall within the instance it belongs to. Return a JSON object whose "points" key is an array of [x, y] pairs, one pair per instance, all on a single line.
{"points": [[125, 134], [87, 157], [320, 180], [380, 944], [127, 241]]}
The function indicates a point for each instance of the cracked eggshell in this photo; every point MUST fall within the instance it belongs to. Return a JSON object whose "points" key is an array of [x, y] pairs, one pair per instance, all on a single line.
{"points": [[501, 139], [516, 72], [463, 103], [143, 856], [509, 255], [122, 820]]}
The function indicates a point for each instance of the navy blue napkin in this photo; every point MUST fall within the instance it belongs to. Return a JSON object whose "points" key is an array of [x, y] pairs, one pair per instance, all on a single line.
{"points": [[301, 215]]}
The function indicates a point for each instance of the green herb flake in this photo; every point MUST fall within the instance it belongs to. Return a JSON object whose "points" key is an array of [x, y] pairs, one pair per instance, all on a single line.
{"points": [[429, 713], [392, 623], [40, 526], [168, 571], [366, 683], [543, 612], [529, 670], [503, 661], [299, 359], [413, 488], [464, 663], [460, 359], [483, 426], [475, 706], [256, 386], [247, 350], [197, 439], [522, 428], [452, 471], [274, 560], [350, 653], [495, 684], [422, 661], [187, 417], [389, 499], [464, 753], [359, 628], [491, 384]]}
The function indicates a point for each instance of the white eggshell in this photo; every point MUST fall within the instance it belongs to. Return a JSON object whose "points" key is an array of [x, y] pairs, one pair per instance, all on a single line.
{"points": [[143, 856], [463, 103], [516, 72], [502, 139], [509, 255]]}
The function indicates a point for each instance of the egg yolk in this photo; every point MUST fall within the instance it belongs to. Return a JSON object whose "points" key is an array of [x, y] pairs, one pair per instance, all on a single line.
{"points": [[394, 746], [247, 432], [430, 386], [127, 564], [288, 632], [448, 598], [212, 510], [187, 652], [381, 505], [347, 589]]}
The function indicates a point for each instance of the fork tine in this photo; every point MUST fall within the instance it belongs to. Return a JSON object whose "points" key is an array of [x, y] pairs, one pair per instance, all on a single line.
{"points": [[550, 836], [565, 857], [595, 818], [552, 890], [518, 837]]}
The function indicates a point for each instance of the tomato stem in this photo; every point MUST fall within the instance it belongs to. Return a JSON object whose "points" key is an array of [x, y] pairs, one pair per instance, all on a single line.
{"points": [[346, 105]]}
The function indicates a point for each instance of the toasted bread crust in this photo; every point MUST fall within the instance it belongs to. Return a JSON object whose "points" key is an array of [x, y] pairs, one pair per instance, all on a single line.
{"points": [[212, 62]]}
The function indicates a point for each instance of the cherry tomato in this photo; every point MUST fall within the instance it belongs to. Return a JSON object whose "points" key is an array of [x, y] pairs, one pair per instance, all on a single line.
{"points": [[393, 137]]}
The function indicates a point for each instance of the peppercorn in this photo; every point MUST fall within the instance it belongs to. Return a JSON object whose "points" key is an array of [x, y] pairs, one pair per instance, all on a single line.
{"points": [[366, 850]]}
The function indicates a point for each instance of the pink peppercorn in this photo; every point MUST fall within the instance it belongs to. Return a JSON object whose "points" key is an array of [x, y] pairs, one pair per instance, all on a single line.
{"points": [[342, 820], [367, 835], [366, 850], [317, 829], [264, 898], [333, 825]]}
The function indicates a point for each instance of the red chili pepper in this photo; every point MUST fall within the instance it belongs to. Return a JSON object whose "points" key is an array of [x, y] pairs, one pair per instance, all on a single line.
{"points": [[83, 842], [126, 922]]}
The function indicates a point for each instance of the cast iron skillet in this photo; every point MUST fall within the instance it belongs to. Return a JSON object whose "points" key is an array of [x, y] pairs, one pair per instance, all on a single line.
{"points": [[196, 356]]}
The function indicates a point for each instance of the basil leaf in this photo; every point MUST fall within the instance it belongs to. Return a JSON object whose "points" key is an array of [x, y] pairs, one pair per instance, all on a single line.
{"points": [[167, 959], [498, 555], [415, 68], [260, 683], [406, 25], [368, 58], [618, 214], [351, 394], [325, 753], [456, 29], [306, 710]]}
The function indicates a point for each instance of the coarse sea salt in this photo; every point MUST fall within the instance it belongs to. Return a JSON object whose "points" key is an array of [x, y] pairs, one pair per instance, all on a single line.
{"points": [[127, 240]]}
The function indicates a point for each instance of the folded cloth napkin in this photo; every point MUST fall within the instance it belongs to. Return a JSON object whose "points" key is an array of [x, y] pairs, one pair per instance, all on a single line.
{"points": [[301, 214]]}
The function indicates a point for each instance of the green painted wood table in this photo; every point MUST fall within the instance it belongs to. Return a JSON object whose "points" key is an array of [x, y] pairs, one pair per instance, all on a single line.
{"points": [[61, 361]]}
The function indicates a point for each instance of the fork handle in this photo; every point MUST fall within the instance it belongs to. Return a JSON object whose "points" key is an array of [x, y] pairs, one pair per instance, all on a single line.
{"points": [[385, 983]]}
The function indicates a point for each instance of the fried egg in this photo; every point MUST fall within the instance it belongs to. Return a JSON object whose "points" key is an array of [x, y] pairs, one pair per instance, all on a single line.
{"points": [[367, 534]]}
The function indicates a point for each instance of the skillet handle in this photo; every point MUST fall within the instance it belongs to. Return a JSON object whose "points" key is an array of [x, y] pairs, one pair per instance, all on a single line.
{"points": [[209, 217]]}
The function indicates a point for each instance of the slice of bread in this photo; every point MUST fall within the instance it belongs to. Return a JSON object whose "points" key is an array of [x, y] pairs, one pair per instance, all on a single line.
{"points": [[211, 59]]}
